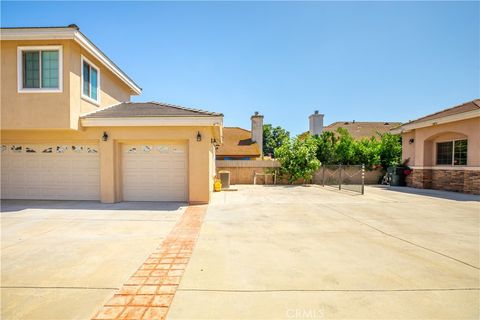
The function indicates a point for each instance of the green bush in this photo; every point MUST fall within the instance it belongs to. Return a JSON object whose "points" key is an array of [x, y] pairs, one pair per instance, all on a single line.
{"points": [[298, 159]]}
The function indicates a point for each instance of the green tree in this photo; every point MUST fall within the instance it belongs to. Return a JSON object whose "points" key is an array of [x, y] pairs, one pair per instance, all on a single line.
{"points": [[298, 158], [326, 143], [390, 150], [345, 147], [367, 152], [273, 137]]}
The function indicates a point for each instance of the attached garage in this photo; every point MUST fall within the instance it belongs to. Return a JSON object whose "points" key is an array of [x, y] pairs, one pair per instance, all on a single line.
{"points": [[155, 172], [51, 171]]}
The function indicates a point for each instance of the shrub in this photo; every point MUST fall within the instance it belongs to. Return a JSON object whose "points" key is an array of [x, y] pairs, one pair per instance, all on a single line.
{"points": [[298, 158]]}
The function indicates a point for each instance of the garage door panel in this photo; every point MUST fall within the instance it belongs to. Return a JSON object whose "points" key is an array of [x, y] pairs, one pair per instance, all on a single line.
{"points": [[156, 172], [61, 173]]}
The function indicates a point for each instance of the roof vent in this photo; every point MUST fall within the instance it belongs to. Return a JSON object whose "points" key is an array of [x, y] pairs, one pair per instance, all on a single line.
{"points": [[316, 111], [73, 26], [353, 121], [386, 123]]}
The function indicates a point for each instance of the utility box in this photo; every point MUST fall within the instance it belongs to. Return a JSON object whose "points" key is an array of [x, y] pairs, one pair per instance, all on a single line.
{"points": [[224, 178]]}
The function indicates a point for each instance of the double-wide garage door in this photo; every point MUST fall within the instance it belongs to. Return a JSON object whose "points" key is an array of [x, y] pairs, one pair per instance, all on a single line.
{"points": [[50, 171], [150, 172], [154, 172]]}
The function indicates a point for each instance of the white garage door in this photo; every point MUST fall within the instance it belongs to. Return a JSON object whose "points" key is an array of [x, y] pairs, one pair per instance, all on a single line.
{"points": [[50, 171], [154, 172]]}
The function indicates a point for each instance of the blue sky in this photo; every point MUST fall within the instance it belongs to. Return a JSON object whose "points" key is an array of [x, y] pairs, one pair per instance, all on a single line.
{"points": [[368, 61]]}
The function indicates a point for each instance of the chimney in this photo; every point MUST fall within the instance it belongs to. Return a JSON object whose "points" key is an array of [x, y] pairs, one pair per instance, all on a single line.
{"points": [[316, 123], [257, 130]]}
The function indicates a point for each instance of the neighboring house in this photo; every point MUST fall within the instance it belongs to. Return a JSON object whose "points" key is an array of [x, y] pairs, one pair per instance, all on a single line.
{"points": [[443, 149], [357, 129], [242, 144], [69, 132]]}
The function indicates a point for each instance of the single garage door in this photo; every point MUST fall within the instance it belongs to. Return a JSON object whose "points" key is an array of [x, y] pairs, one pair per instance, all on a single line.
{"points": [[156, 172], [50, 171]]}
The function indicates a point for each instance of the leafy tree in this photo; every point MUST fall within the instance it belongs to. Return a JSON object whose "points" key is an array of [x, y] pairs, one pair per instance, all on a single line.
{"points": [[298, 158], [273, 138], [326, 143], [367, 152], [390, 150], [345, 147]]}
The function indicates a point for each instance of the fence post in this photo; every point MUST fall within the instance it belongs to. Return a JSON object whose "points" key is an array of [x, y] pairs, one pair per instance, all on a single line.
{"points": [[323, 175], [340, 179], [363, 179]]}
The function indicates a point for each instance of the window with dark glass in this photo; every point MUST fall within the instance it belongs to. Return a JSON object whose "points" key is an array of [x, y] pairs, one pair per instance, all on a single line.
{"points": [[452, 153], [40, 69], [90, 81], [460, 153]]}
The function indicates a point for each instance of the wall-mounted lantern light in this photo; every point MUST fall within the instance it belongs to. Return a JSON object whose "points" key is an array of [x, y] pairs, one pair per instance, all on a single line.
{"points": [[411, 141], [105, 136], [199, 136]]}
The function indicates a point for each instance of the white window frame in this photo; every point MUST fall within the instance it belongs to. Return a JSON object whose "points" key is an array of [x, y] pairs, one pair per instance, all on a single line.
{"points": [[21, 89], [92, 65], [453, 141]]}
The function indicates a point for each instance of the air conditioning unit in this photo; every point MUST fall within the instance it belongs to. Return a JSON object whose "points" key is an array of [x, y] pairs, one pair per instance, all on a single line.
{"points": [[225, 179]]}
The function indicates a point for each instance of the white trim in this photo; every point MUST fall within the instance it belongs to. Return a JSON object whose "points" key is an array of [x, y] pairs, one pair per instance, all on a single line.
{"points": [[85, 97], [68, 34], [433, 122], [205, 121], [443, 167], [20, 87]]}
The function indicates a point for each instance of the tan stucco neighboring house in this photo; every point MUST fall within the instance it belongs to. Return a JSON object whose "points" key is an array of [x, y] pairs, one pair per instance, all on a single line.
{"points": [[242, 144], [70, 132], [443, 149], [357, 129]]}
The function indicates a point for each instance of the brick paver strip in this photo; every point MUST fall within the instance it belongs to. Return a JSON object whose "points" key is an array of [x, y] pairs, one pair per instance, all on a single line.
{"points": [[149, 292]]}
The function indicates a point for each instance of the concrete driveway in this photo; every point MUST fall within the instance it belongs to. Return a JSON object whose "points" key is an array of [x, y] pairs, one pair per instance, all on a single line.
{"points": [[314, 253], [65, 259]]}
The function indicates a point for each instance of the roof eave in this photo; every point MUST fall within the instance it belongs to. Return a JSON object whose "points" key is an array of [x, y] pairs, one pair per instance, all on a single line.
{"points": [[69, 34], [160, 121], [409, 126]]}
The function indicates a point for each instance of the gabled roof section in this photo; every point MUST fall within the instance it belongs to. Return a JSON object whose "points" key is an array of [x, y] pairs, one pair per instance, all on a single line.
{"points": [[360, 130], [238, 142], [462, 111], [148, 109], [71, 32]]}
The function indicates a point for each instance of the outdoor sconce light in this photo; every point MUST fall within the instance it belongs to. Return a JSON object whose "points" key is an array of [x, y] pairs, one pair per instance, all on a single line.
{"points": [[105, 136], [199, 136], [411, 141]]}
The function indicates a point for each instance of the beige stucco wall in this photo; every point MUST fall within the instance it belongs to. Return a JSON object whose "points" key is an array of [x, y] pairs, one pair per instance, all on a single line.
{"points": [[200, 154], [52, 110], [423, 151]]}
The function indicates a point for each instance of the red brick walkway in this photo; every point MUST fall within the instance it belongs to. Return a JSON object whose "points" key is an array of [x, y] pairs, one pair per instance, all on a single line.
{"points": [[150, 291]]}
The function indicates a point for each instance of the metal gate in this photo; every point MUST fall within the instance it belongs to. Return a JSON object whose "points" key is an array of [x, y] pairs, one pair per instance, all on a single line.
{"points": [[348, 177]]}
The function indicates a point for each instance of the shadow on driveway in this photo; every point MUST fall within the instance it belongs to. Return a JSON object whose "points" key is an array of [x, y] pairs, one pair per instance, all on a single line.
{"points": [[448, 195], [19, 205]]}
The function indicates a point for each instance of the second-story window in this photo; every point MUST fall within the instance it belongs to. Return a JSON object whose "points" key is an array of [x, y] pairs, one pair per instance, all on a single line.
{"points": [[90, 81], [40, 69]]}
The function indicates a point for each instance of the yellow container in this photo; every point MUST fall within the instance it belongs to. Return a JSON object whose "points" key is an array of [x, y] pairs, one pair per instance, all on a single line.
{"points": [[217, 185]]}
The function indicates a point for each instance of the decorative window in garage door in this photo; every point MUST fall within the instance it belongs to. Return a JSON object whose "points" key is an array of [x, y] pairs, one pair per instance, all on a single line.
{"points": [[147, 149], [47, 149], [163, 149], [178, 149]]}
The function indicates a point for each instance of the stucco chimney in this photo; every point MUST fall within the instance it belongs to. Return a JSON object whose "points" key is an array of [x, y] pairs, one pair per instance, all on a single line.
{"points": [[316, 123], [257, 130]]}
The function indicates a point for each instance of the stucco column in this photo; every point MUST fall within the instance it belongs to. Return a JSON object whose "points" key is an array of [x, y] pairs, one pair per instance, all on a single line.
{"points": [[107, 171], [199, 169]]}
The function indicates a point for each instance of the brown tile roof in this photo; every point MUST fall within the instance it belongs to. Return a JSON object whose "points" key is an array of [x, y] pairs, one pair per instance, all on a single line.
{"points": [[148, 109], [359, 130], [238, 142], [464, 107]]}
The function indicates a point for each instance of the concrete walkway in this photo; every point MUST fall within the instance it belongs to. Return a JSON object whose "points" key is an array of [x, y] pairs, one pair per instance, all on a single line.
{"points": [[313, 253], [65, 259]]}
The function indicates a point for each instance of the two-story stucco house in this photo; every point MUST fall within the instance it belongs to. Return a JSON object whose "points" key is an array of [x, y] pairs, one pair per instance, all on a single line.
{"points": [[69, 130]]}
